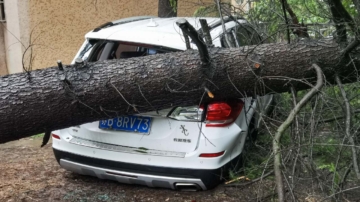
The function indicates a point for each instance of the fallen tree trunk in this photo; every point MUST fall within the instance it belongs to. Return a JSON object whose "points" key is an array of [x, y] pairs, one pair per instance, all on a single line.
{"points": [[51, 98]]}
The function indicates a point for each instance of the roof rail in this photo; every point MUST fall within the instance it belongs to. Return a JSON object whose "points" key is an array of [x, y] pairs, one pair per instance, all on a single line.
{"points": [[108, 24], [122, 21]]}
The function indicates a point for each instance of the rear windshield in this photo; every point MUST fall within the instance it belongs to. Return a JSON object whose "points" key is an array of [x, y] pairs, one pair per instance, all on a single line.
{"points": [[108, 50]]}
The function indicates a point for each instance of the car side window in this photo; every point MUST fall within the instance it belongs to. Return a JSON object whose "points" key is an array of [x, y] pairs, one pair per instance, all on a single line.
{"points": [[244, 35], [96, 51], [124, 48], [109, 50], [254, 36]]}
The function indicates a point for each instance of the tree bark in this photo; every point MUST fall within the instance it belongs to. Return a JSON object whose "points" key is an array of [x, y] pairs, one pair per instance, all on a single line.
{"points": [[165, 10], [50, 99]]}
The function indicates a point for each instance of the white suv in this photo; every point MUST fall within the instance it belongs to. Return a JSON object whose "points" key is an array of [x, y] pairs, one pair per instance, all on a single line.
{"points": [[184, 147]]}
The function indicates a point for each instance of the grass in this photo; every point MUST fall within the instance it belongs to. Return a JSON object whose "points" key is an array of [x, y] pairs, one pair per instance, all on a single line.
{"points": [[41, 135], [254, 159]]}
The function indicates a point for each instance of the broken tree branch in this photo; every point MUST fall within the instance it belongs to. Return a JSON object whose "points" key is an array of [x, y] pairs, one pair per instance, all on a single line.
{"points": [[208, 68], [348, 126], [341, 16], [299, 29], [296, 135], [206, 31], [351, 46], [227, 39], [286, 20], [251, 181], [337, 117], [285, 125], [342, 191], [193, 34], [187, 41]]}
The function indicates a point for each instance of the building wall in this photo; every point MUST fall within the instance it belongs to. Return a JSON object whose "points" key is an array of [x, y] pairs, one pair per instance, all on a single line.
{"points": [[242, 6], [12, 37], [3, 68], [55, 29]]}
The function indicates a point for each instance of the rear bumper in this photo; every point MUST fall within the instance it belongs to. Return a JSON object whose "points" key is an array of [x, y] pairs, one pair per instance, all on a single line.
{"points": [[97, 148], [152, 176]]}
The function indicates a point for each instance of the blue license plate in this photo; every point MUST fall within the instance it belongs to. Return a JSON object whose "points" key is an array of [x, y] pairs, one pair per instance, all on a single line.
{"points": [[137, 124]]}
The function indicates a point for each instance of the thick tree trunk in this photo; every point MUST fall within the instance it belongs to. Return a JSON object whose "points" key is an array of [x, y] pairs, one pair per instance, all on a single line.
{"points": [[165, 10], [53, 99]]}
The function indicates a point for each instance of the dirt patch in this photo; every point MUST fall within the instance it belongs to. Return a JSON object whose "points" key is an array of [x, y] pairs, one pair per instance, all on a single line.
{"points": [[31, 173]]}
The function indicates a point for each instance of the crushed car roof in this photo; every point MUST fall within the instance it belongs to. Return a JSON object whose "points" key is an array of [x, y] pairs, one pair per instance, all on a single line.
{"points": [[151, 30]]}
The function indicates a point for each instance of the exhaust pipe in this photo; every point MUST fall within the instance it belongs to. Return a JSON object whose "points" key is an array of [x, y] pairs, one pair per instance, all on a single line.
{"points": [[181, 186]]}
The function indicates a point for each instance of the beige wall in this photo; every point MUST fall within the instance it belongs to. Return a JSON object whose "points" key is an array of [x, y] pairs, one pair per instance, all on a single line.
{"points": [[60, 25], [55, 28], [188, 7]]}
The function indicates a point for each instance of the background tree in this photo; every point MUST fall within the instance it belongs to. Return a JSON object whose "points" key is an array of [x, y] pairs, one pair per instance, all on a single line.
{"points": [[167, 8]]}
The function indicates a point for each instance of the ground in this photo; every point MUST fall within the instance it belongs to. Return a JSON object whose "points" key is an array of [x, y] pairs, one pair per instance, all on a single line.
{"points": [[31, 173]]}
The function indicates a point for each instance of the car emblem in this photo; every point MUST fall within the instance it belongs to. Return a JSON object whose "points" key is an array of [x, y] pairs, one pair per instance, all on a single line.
{"points": [[184, 130]]}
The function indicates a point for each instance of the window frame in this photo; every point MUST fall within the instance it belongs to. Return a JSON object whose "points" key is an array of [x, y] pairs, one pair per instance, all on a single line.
{"points": [[99, 46], [2, 11]]}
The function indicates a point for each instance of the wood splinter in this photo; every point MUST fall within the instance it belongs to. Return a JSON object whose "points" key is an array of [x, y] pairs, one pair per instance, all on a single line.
{"points": [[60, 65]]}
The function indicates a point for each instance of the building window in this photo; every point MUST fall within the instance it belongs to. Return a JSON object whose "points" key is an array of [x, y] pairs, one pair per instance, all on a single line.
{"points": [[2, 11]]}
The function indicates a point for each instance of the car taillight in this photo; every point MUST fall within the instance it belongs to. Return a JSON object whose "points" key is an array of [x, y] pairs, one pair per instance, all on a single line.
{"points": [[193, 113], [221, 114], [56, 136], [211, 155]]}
